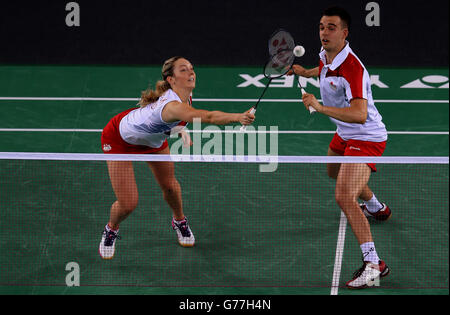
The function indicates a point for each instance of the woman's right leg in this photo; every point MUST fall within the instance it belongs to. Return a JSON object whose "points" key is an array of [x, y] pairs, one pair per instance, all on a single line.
{"points": [[122, 178], [121, 174]]}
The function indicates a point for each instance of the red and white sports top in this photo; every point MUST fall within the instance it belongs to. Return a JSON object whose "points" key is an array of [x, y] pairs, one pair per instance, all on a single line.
{"points": [[341, 81], [145, 126]]}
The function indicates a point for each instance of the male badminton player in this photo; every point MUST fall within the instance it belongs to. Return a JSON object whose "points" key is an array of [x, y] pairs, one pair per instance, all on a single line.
{"points": [[145, 129], [346, 94]]}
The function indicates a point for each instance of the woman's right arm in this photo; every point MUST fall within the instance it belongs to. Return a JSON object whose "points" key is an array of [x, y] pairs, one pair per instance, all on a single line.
{"points": [[175, 111]]}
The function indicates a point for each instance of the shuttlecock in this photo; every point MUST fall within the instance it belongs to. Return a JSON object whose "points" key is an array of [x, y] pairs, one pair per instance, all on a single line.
{"points": [[299, 51]]}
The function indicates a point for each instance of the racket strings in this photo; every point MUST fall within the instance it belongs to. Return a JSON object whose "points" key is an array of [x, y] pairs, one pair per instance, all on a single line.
{"points": [[279, 64], [280, 40], [281, 45]]}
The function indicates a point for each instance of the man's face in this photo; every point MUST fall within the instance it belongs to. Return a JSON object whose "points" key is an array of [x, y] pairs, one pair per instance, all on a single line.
{"points": [[332, 33]]}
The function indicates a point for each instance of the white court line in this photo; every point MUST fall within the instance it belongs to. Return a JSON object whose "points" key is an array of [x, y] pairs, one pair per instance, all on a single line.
{"points": [[339, 254], [251, 100], [206, 131]]}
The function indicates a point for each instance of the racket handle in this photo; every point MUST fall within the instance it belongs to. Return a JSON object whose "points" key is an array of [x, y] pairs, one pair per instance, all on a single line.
{"points": [[311, 109], [252, 111]]}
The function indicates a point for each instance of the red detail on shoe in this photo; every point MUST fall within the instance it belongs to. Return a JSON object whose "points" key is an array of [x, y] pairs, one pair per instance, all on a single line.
{"points": [[381, 215]]}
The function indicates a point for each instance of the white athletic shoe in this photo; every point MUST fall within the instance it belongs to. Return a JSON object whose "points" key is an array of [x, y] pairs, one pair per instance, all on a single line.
{"points": [[107, 245], [185, 236], [381, 215], [368, 275]]}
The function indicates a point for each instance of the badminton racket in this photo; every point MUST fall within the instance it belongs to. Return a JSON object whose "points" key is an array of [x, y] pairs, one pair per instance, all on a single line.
{"points": [[281, 45]]}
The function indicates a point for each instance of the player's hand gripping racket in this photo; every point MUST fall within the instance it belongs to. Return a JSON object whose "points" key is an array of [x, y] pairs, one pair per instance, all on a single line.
{"points": [[281, 45], [312, 110]]}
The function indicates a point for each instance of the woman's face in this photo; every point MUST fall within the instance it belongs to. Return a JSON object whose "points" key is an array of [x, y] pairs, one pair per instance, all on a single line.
{"points": [[183, 74]]}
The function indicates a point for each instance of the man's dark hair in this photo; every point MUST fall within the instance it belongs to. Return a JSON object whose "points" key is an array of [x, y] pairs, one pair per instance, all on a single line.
{"points": [[342, 13]]}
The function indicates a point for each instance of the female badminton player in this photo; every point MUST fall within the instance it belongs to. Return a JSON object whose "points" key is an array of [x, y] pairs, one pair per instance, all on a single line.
{"points": [[144, 130]]}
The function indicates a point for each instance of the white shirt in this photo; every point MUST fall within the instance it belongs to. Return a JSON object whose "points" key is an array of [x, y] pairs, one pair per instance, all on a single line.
{"points": [[341, 81], [145, 126]]}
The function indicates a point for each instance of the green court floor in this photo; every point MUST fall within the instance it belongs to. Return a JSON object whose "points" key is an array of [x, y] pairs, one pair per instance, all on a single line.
{"points": [[62, 109]]}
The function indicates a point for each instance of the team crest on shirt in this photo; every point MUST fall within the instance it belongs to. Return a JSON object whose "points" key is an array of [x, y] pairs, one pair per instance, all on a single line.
{"points": [[106, 147], [333, 86]]}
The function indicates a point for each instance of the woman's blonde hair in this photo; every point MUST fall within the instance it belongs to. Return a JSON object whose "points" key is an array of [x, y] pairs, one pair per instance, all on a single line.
{"points": [[150, 96]]}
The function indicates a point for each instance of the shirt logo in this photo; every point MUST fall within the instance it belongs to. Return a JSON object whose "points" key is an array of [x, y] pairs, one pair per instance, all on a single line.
{"points": [[106, 147], [334, 87]]}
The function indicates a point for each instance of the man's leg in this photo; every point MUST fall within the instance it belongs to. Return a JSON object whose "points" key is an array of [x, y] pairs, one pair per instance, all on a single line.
{"points": [[351, 180]]}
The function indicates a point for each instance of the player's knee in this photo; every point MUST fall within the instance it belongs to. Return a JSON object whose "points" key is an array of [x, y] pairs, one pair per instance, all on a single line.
{"points": [[128, 205], [169, 186], [343, 197]]}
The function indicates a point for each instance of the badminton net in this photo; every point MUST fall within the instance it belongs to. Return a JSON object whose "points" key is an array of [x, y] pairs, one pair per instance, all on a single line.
{"points": [[252, 228]]}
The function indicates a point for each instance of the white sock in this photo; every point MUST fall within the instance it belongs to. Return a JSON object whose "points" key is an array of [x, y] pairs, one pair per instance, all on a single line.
{"points": [[369, 252], [179, 222], [110, 229], [373, 205]]}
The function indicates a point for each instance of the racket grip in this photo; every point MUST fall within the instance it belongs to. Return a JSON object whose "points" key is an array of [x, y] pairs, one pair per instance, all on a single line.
{"points": [[311, 109], [243, 128]]}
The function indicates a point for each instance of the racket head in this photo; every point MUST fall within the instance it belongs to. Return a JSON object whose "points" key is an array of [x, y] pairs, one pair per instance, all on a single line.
{"points": [[281, 46], [279, 64], [280, 40]]}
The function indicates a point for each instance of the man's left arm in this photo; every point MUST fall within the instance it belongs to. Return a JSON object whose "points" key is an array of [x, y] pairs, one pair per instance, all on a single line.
{"points": [[356, 113]]}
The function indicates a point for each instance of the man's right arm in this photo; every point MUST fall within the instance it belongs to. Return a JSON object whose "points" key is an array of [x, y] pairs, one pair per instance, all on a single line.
{"points": [[307, 73]]}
